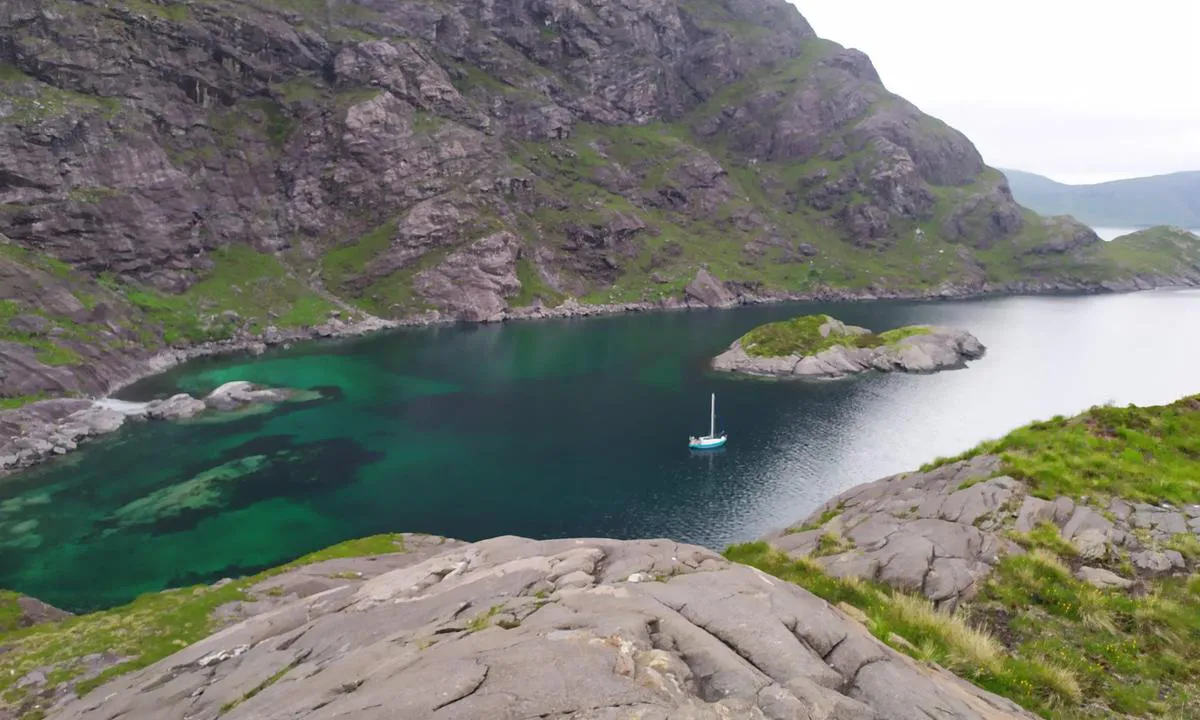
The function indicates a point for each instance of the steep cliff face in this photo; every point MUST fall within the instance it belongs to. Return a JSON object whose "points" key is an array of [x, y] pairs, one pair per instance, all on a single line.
{"points": [[470, 158]]}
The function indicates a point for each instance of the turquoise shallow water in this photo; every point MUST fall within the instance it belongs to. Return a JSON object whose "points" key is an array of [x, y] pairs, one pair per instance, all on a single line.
{"points": [[571, 428]]}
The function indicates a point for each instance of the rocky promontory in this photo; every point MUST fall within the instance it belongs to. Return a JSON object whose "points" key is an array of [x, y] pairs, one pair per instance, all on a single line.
{"points": [[55, 427], [819, 346]]}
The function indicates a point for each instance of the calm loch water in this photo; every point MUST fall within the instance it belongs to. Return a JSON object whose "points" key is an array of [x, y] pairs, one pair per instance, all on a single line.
{"points": [[571, 428]]}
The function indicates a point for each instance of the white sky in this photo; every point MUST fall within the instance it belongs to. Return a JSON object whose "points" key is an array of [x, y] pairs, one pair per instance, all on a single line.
{"points": [[1074, 90]]}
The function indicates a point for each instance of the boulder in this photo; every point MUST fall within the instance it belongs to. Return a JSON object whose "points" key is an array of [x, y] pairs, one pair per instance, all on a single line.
{"points": [[1158, 561], [1103, 579], [709, 291], [176, 407], [923, 532], [233, 395], [1092, 544]]}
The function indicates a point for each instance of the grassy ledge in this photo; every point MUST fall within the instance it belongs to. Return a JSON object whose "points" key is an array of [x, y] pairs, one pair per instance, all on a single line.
{"points": [[141, 633], [802, 336], [1142, 454]]}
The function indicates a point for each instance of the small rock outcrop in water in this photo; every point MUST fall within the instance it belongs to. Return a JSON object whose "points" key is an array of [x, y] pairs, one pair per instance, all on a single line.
{"points": [[233, 395], [819, 346], [940, 533], [509, 627], [176, 407], [55, 427]]}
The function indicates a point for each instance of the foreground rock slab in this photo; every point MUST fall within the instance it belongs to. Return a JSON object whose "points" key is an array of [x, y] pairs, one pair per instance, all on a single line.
{"points": [[516, 628]]}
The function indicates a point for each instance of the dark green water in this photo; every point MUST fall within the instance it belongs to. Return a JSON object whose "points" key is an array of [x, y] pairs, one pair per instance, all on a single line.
{"points": [[573, 428]]}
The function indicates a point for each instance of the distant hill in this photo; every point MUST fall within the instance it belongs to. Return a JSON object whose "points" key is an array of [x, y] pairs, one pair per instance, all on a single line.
{"points": [[1139, 202]]}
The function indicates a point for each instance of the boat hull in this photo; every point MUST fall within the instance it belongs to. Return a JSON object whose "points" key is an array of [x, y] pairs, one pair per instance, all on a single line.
{"points": [[707, 443]]}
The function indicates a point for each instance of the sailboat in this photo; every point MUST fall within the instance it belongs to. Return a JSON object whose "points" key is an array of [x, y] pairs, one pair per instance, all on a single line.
{"points": [[712, 440]]}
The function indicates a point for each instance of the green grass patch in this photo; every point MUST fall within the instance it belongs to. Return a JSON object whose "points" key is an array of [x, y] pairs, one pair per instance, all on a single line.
{"points": [[533, 288], [251, 284], [31, 101], [346, 99], [802, 336], [824, 518], [48, 350], [1045, 535], [10, 611], [146, 630], [1132, 655], [483, 620], [1144, 454], [346, 261], [299, 89], [12, 403]]}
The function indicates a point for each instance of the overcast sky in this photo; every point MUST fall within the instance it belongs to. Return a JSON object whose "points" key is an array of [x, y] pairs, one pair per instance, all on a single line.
{"points": [[1078, 91]]}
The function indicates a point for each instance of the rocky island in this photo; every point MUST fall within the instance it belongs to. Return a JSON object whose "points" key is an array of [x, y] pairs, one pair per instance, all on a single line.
{"points": [[819, 346], [1006, 583]]}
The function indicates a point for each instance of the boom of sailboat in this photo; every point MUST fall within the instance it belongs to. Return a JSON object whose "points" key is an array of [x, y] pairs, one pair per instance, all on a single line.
{"points": [[711, 440]]}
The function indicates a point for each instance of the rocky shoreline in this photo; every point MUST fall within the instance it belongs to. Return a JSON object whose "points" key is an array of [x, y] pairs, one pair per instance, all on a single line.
{"points": [[697, 298], [73, 420], [51, 428]]}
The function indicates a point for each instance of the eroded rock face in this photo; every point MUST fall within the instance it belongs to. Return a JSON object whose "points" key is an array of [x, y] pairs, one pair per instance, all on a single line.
{"points": [[939, 349], [594, 629]]}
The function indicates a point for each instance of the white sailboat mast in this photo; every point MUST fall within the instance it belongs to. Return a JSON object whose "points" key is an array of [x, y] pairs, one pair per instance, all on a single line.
{"points": [[712, 418]]}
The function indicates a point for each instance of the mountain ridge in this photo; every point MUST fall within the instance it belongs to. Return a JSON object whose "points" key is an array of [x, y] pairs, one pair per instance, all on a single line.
{"points": [[1168, 199]]}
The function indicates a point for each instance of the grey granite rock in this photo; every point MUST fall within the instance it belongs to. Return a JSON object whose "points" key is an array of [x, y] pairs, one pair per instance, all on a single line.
{"points": [[176, 407], [1158, 561], [922, 532], [233, 395], [501, 629], [1103, 579], [708, 291]]}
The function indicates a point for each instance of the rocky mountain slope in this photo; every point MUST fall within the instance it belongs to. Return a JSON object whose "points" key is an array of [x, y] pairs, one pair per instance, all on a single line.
{"points": [[1137, 202], [178, 171]]}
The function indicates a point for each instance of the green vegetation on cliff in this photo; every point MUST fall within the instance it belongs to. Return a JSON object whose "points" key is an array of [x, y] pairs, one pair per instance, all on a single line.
{"points": [[1155, 250], [1035, 632], [803, 336]]}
